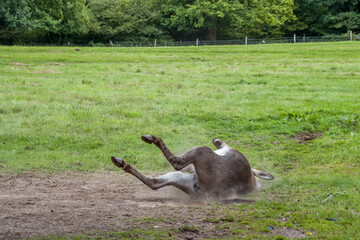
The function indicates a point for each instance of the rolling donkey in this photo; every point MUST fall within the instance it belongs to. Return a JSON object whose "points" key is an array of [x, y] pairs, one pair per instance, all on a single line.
{"points": [[216, 174]]}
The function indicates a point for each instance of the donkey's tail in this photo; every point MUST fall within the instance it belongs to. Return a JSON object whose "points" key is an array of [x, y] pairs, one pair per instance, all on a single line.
{"points": [[262, 174]]}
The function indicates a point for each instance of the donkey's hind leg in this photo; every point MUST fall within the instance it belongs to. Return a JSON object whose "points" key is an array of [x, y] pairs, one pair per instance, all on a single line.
{"points": [[185, 182]]}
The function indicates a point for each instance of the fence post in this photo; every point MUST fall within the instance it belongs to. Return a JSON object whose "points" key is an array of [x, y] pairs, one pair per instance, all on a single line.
{"points": [[304, 38], [294, 38], [111, 44], [155, 43], [350, 35], [197, 42], [245, 40]]}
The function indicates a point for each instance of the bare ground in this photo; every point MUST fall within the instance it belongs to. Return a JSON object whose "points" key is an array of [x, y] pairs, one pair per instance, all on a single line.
{"points": [[63, 204], [304, 137]]}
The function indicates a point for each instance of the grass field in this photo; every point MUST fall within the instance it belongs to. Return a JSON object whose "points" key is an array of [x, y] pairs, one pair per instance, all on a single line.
{"points": [[66, 110]]}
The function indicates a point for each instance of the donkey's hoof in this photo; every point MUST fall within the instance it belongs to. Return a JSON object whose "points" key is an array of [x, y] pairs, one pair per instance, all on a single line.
{"points": [[148, 139], [118, 162]]}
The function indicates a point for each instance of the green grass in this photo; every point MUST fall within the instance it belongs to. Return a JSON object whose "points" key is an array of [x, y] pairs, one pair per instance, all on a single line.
{"points": [[65, 110], [134, 234]]}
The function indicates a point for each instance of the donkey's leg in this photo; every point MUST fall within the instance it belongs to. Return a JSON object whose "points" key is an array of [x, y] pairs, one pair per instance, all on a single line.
{"points": [[194, 156], [208, 165], [182, 181], [185, 182]]}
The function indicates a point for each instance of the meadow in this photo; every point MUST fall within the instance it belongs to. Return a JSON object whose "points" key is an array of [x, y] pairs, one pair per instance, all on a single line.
{"points": [[292, 109]]}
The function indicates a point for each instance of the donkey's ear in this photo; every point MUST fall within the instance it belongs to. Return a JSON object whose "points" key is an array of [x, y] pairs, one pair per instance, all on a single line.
{"points": [[262, 174]]}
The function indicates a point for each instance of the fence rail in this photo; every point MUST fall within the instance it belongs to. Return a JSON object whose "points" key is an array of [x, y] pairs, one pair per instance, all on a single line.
{"points": [[245, 41]]}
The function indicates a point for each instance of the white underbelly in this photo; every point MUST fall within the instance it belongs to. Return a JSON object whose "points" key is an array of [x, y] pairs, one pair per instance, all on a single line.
{"points": [[222, 151]]}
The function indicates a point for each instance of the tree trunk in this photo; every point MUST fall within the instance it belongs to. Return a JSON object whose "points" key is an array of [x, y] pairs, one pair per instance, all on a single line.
{"points": [[212, 26], [211, 34]]}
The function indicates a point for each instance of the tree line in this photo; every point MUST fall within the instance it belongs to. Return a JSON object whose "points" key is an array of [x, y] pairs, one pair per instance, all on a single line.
{"points": [[84, 21]]}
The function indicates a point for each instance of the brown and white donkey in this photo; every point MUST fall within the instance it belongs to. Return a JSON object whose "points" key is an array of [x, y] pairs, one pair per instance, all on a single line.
{"points": [[202, 172]]}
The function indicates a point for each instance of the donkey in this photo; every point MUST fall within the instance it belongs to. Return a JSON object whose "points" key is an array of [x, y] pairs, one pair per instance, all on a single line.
{"points": [[202, 172]]}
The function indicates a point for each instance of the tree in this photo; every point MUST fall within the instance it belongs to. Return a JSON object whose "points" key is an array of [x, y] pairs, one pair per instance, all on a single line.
{"points": [[325, 17], [15, 20], [33, 20], [230, 18], [346, 21], [60, 19], [15, 15], [125, 19], [268, 17]]}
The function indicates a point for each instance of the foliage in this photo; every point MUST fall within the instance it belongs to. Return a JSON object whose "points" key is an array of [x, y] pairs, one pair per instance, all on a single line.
{"points": [[15, 15], [270, 16], [61, 17], [15, 19], [301, 117], [353, 120], [82, 21], [125, 20], [325, 17], [42, 20], [226, 18]]}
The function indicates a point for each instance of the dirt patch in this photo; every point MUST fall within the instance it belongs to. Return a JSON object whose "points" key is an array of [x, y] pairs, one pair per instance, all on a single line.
{"points": [[290, 233], [46, 71], [34, 205], [73, 203], [19, 64], [304, 137]]}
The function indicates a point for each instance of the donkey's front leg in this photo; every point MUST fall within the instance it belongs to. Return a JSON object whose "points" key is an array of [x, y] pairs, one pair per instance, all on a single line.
{"points": [[196, 156], [177, 162]]}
